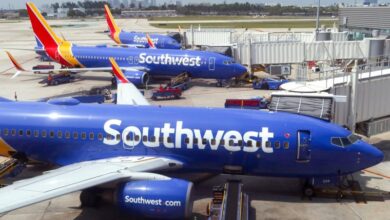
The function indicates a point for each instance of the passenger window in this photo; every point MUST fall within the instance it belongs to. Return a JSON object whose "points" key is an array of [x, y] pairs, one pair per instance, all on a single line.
{"points": [[204, 141], [222, 143], [196, 141], [136, 138], [153, 139], [100, 136], [67, 134], [128, 137], [268, 144], [249, 143], [13, 132], [28, 133], [169, 140], [76, 135], [59, 134], [239, 143], [51, 134], [258, 143], [83, 135], [160, 139], [277, 144], [118, 137], [213, 142], [36, 133], [231, 143], [5, 132], [144, 138], [43, 133], [91, 136], [20, 132], [286, 145], [187, 140]]}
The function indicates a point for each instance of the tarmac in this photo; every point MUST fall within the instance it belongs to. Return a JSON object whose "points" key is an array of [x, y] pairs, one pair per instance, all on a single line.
{"points": [[270, 198]]}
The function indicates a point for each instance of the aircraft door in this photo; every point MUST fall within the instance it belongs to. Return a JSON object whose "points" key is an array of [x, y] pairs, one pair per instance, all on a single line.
{"points": [[303, 146], [212, 63]]}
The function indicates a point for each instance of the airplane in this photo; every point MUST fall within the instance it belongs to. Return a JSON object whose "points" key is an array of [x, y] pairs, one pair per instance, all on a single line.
{"points": [[136, 63], [133, 151], [122, 37]]}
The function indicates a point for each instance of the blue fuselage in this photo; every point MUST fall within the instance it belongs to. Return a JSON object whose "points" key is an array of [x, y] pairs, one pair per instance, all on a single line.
{"points": [[160, 41], [198, 64], [206, 140]]}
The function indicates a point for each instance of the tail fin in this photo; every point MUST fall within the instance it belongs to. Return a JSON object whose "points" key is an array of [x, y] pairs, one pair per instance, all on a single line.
{"points": [[42, 30], [117, 71], [150, 42], [39, 44], [114, 29]]}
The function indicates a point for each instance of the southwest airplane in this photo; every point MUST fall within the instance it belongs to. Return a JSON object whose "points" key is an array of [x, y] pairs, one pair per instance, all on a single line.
{"points": [[121, 37], [137, 64], [132, 151]]}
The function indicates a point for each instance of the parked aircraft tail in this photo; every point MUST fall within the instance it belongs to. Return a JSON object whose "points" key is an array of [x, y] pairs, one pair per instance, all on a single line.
{"points": [[41, 29], [150, 42], [114, 29]]}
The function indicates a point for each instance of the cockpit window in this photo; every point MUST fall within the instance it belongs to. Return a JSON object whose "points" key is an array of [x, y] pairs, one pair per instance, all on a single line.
{"points": [[345, 141], [353, 138], [228, 62], [337, 141]]}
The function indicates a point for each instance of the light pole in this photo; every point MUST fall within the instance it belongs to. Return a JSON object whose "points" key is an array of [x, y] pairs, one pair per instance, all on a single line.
{"points": [[318, 17]]}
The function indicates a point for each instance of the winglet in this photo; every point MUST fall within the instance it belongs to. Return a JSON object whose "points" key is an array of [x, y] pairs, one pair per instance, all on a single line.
{"points": [[150, 42], [117, 71], [16, 64], [114, 29]]}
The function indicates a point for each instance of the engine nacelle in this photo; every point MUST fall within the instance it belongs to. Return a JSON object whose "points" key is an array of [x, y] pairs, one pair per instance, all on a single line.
{"points": [[138, 78], [163, 199]]}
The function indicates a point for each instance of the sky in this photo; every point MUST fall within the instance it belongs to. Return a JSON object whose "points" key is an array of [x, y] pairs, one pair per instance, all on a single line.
{"points": [[18, 4]]}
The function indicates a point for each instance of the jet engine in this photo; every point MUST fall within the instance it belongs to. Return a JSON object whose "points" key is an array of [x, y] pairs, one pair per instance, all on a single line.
{"points": [[138, 78], [164, 199]]}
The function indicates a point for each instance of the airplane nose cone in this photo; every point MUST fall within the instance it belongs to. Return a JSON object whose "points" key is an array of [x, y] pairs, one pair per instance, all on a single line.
{"points": [[240, 69], [370, 155]]}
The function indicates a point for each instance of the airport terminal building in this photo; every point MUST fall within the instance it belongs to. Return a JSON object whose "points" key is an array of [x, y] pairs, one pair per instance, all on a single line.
{"points": [[365, 21]]}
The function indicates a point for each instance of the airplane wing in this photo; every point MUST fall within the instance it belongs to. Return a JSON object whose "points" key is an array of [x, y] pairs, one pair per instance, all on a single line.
{"points": [[20, 69], [127, 93], [80, 176]]}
